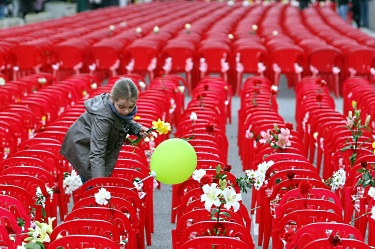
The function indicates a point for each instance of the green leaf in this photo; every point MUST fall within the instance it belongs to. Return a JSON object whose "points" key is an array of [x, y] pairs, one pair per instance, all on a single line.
{"points": [[218, 169], [214, 211], [32, 245], [225, 214], [365, 176], [345, 148], [20, 222], [362, 170], [360, 181]]}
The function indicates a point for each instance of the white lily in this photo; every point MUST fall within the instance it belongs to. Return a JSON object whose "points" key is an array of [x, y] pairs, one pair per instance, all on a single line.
{"points": [[231, 199], [211, 195]]}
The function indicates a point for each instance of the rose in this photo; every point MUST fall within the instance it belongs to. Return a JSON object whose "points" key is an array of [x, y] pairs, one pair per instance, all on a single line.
{"points": [[210, 127], [206, 179], [334, 239], [304, 188], [227, 168]]}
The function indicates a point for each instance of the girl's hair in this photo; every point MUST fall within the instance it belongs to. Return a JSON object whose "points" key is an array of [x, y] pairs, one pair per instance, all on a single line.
{"points": [[124, 88]]}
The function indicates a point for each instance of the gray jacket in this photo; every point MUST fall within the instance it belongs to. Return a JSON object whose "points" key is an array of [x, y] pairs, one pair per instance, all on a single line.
{"points": [[93, 142]]}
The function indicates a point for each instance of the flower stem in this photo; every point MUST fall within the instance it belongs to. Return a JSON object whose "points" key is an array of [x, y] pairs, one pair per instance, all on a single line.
{"points": [[351, 223]]}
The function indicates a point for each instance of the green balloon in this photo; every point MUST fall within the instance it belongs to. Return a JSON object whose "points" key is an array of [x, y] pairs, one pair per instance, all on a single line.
{"points": [[174, 161]]}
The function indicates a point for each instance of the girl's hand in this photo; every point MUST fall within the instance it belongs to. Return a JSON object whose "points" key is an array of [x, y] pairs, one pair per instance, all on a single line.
{"points": [[143, 131]]}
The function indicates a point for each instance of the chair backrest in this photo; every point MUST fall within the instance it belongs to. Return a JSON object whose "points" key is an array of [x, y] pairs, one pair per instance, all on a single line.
{"points": [[83, 241], [217, 242], [119, 219], [9, 220], [115, 202], [214, 228], [319, 230], [5, 238], [345, 243], [102, 182], [86, 227]]}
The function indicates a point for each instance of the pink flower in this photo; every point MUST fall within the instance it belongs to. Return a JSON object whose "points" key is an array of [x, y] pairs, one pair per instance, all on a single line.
{"points": [[249, 135], [266, 137], [350, 122], [283, 141], [285, 132]]}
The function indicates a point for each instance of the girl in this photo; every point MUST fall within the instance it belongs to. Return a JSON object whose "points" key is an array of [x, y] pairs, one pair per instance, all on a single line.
{"points": [[93, 142]]}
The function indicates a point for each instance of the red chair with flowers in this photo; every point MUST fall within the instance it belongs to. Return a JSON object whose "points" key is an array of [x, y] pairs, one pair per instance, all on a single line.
{"points": [[201, 214], [215, 228], [320, 230], [331, 243], [218, 242]]}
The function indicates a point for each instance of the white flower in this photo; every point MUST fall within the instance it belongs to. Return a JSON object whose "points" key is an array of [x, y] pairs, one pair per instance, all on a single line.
{"points": [[274, 88], [2, 81], [231, 199], [181, 89], [22, 247], [211, 195], [371, 192], [193, 116], [338, 179], [142, 85], [94, 86], [138, 186], [198, 174], [42, 80], [72, 182], [147, 139], [250, 173], [123, 240], [138, 30], [373, 213], [102, 197]]}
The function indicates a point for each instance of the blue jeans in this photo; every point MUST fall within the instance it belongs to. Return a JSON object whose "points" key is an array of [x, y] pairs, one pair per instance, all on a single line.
{"points": [[343, 11], [83, 179], [2, 10], [364, 13]]}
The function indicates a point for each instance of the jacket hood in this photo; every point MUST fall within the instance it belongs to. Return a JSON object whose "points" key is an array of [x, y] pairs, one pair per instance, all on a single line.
{"points": [[99, 105]]}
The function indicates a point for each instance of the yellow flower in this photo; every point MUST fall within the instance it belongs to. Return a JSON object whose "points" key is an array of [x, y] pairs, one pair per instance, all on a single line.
{"points": [[354, 104], [161, 126], [137, 117]]}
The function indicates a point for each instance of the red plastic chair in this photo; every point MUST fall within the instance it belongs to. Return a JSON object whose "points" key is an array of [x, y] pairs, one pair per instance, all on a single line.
{"points": [[5, 240], [214, 228], [17, 208], [320, 230], [9, 220], [208, 242], [132, 196], [198, 215], [86, 227], [345, 243], [102, 182], [83, 241]]}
